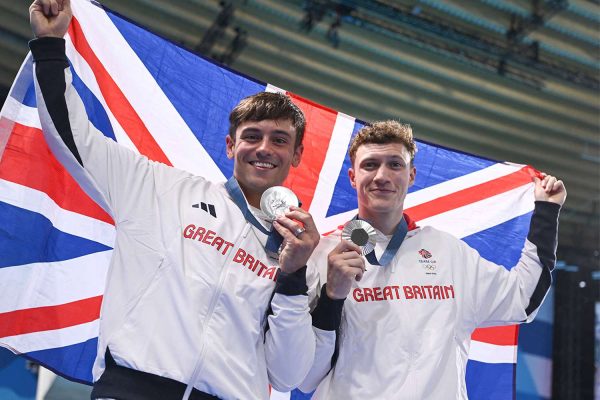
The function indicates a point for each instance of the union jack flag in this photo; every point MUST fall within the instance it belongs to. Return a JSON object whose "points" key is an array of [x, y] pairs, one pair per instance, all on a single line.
{"points": [[165, 102]]}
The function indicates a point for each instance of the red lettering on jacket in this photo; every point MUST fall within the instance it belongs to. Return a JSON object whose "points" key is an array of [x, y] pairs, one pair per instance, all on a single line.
{"points": [[377, 294], [270, 273], [208, 237], [189, 231], [411, 292], [387, 293], [417, 291], [240, 256], [358, 296], [449, 290], [248, 261], [228, 245], [218, 242], [199, 233]]}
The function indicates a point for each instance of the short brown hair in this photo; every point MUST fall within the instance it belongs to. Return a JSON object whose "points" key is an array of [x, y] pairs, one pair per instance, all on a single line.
{"points": [[382, 132], [267, 105]]}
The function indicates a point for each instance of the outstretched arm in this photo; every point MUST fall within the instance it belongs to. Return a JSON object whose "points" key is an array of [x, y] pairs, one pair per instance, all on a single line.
{"points": [[505, 297]]}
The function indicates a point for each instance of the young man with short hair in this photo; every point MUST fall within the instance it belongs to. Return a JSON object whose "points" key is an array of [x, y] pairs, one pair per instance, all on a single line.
{"points": [[403, 324], [194, 305]]}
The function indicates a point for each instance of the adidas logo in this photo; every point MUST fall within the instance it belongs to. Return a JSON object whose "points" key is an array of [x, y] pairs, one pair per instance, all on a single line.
{"points": [[209, 208]]}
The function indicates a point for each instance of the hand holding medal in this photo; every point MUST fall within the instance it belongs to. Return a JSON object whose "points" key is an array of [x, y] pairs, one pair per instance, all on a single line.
{"points": [[296, 226], [345, 264], [361, 233]]}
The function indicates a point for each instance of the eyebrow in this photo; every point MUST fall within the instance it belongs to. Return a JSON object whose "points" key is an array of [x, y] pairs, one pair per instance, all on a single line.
{"points": [[276, 131], [386, 158]]}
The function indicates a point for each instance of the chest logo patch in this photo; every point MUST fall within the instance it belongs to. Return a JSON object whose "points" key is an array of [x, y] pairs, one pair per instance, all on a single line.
{"points": [[424, 253], [209, 208], [427, 262]]}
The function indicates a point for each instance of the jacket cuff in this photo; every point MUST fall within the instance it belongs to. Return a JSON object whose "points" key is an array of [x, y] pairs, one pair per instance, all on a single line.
{"points": [[543, 229], [327, 315], [292, 284], [547, 210], [48, 49]]}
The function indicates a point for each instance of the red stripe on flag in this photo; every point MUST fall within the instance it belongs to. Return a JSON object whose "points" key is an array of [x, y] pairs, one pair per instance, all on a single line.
{"points": [[28, 161], [500, 335], [471, 195], [116, 100], [49, 318], [319, 128]]}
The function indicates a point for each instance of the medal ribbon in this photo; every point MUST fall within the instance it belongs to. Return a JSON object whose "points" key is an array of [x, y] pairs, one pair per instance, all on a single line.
{"points": [[392, 247], [274, 239]]}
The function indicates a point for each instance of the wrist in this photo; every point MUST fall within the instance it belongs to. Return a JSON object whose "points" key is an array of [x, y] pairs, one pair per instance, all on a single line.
{"points": [[333, 294], [327, 315], [291, 283]]}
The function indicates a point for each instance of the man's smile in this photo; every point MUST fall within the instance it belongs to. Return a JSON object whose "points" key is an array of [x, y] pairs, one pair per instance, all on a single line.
{"points": [[263, 164]]}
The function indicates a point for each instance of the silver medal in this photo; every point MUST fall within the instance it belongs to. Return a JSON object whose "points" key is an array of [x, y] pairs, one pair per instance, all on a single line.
{"points": [[361, 233], [276, 201]]}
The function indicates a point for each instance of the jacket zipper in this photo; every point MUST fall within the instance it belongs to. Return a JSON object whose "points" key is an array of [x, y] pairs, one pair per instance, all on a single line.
{"points": [[211, 308]]}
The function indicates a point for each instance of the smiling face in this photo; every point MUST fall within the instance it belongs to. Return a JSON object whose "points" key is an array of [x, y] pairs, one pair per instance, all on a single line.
{"points": [[263, 152], [381, 175]]}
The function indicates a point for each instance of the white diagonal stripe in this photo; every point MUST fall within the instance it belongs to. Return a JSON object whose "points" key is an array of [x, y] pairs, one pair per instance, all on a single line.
{"points": [[22, 114], [334, 159], [463, 182], [63, 220], [43, 340], [145, 95], [83, 276], [86, 74], [492, 353], [481, 215]]}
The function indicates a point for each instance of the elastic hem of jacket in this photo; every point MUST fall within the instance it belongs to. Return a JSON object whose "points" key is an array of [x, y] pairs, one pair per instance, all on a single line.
{"points": [[48, 49], [292, 284], [327, 315], [119, 382]]}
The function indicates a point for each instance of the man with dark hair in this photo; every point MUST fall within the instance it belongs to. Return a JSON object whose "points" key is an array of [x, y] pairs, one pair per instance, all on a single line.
{"points": [[403, 324], [194, 305]]}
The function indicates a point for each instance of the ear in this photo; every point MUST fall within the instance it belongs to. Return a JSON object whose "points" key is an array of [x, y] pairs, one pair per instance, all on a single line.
{"points": [[230, 144], [297, 157], [352, 177], [413, 175]]}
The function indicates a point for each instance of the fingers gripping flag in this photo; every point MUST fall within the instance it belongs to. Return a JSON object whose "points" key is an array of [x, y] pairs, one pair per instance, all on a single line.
{"points": [[172, 106]]}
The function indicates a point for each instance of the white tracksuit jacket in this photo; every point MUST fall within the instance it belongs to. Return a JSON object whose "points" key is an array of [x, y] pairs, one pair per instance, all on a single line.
{"points": [[404, 329], [188, 289]]}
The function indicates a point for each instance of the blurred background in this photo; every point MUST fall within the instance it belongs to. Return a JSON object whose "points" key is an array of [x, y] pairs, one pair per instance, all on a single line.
{"points": [[514, 80]]}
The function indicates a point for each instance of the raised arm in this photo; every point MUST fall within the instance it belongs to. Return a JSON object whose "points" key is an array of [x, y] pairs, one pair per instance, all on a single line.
{"points": [[115, 177], [505, 297]]}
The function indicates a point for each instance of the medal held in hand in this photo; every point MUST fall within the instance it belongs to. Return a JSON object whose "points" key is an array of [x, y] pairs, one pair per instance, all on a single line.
{"points": [[361, 233], [277, 200]]}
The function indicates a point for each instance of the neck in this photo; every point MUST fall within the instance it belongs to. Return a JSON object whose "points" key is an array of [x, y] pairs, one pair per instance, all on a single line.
{"points": [[383, 222], [252, 198]]}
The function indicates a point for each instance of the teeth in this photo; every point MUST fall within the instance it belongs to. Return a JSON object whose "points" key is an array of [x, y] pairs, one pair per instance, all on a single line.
{"points": [[263, 164]]}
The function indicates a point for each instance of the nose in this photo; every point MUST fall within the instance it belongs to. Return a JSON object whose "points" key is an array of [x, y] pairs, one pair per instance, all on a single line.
{"points": [[381, 175], [263, 148]]}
